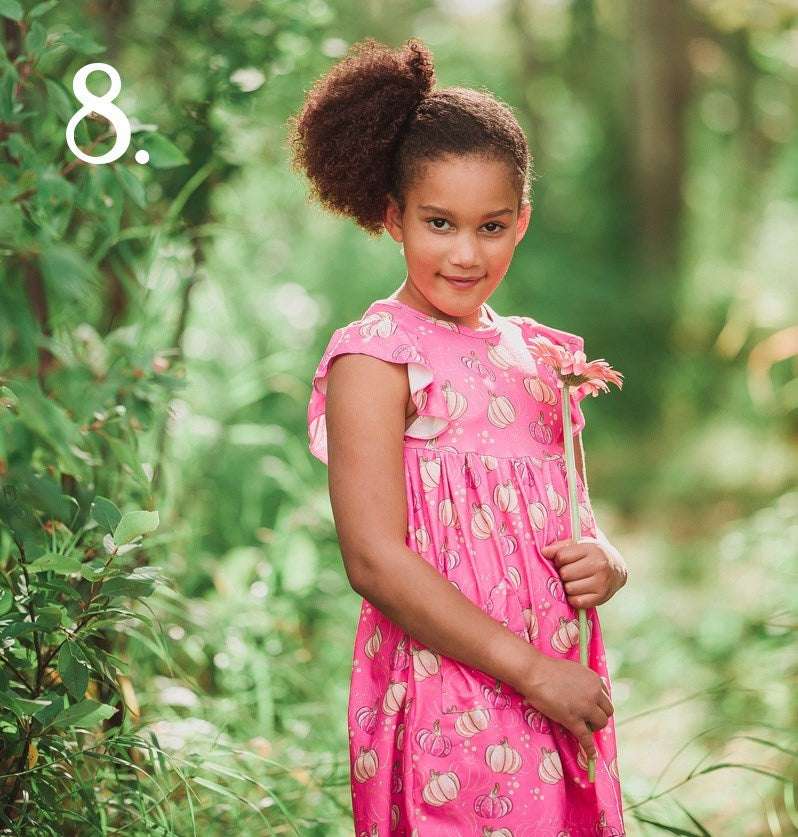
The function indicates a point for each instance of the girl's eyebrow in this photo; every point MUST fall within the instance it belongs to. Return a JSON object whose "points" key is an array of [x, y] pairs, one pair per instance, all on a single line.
{"points": [[440, 211]]}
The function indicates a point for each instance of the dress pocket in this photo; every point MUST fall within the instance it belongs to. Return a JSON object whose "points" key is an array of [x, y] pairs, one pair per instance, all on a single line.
{"points": [[463, 688]]}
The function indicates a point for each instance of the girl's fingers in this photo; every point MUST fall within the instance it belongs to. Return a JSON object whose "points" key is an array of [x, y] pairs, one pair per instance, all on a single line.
{"points": [[580, 586], [550, 548], [607, 708], [568, 553], [588, 744], [578, 560], [598, 719]]}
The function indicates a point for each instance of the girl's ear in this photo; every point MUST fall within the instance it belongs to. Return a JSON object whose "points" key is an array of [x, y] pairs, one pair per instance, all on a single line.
{"points": [[523, 221], [393, 219]]}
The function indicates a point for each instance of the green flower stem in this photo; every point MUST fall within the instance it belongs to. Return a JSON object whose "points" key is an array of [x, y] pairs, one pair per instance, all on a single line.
{"points": [[576, 529]]}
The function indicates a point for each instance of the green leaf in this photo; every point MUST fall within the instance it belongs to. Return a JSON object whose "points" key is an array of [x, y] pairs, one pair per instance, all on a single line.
{"points": [[104, 512], [164, 154], [74, 669], [61, 564], [53, 202], [669, 828], [67, 271], [61, 587], [694, 821], [133, 524], [50, 616], [86, 712], [129, 586], [127, 457], [40, 8], [49, 421], [132, 185], [104, 664], [11, 223], [18, 147], [7, 397], [47, 713], [62, 103], [22, 707], [17, 629], [35, 40], [6, 600], [100, 193], [93, 572], [80, 43], [12, 9]]}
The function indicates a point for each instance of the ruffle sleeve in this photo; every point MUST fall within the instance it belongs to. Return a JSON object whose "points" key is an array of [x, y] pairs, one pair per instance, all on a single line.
{"points": [[573, 342], [379, 335]]}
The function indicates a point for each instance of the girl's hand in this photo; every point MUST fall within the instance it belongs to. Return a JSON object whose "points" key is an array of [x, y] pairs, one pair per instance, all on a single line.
{"points": [[572, 695], [592, 572]]}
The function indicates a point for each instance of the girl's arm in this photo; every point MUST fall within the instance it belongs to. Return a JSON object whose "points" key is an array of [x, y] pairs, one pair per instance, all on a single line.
{"points": [[365, 409]]}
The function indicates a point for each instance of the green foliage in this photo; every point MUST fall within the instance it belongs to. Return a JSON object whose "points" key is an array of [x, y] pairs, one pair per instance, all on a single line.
{"points": [[85, 384]]}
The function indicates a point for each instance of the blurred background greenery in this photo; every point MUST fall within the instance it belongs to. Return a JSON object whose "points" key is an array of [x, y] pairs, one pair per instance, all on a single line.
{"points": [[665, 209]]}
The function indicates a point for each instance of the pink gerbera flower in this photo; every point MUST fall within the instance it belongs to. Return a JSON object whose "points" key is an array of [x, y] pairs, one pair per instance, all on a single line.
{"points": [[573, 368]]}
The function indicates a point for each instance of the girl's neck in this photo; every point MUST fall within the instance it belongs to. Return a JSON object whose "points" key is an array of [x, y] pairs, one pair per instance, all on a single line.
{"points": [[483, 316]]}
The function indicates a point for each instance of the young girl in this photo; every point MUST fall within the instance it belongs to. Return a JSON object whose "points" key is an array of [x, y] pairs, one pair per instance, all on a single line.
{"points": [[469, 712]]}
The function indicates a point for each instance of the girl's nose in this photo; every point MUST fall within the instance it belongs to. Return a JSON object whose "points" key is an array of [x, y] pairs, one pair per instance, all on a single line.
{"points": [[464, 252]]}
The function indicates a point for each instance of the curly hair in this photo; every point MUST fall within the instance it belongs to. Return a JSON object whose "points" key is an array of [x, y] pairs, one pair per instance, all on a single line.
{"points": [[374, 119]]}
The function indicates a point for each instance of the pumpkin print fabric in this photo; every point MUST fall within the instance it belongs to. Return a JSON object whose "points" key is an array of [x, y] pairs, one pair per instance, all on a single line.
{"points": [[438, 748]]}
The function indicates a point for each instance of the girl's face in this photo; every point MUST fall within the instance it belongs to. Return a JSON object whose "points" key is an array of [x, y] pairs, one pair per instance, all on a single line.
{"points": [[461, 220]]}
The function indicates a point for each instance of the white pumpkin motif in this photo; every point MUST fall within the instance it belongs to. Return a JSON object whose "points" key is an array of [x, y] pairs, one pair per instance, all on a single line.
{"points": [[566, 635], [373, 643], [501, 412], [550, 767], [482, 520], [506, 498], [425, 663], [422, 539], [366, 765], [447, 513], [540, 391], [531, 622], [441, 788], [456, 402], [430, 473], [379, 324], [448, 558], [502, 758], [500, 356], [557, 503], [394, 698], [489, 462], [538, 515]]}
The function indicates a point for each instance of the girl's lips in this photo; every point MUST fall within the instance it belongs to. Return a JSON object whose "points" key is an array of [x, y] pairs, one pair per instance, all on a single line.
{"points": [[464, 282]]}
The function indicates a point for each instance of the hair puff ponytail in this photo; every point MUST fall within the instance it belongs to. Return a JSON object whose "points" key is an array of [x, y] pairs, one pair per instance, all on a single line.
{"points": [[345, 136]]}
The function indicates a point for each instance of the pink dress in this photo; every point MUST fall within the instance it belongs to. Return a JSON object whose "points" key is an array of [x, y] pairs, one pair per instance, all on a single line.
{"points": [[437, 748]]}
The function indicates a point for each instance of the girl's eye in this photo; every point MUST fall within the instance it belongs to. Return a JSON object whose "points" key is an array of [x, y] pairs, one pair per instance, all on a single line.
{"points": [[496, 226], [437, 223]]}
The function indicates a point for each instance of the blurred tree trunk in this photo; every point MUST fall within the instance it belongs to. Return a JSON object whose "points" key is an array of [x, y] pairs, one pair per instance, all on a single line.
{"points": [[660, 84], [530, 65]]}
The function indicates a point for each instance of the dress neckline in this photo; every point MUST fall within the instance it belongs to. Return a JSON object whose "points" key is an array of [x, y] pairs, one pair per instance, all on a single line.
{"points": [[484, 331]]}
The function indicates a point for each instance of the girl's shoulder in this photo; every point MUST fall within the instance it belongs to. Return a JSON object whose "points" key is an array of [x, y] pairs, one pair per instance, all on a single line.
{"points": [[385, 330], [389, 332]]}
